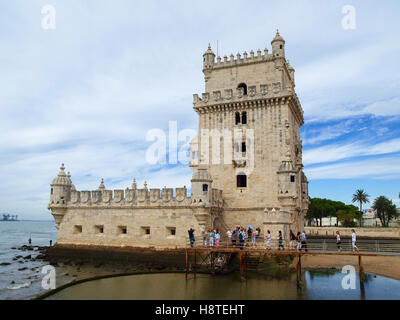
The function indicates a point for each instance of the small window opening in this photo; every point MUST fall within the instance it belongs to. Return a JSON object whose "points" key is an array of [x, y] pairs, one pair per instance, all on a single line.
{"points": [[241, 180], [244, 86], [237, 118], [292, 178], [243, 146], [77, 229], [99, 229], [122, 230], [171, 231], [205, 187], [244, 118]]}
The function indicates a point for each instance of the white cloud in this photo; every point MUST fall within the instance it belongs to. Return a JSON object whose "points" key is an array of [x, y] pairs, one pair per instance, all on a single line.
{"points": [[385, 168], [335, 152]]}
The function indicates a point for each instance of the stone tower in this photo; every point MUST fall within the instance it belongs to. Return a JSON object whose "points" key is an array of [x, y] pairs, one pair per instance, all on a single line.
{"points": [[249, 138]]}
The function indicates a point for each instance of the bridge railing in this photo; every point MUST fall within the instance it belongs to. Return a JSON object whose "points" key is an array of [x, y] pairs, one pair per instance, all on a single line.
{"points": [[324, 245]]}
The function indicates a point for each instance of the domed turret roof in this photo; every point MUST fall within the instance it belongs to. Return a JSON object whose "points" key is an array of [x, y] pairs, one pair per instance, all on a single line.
{"points": [[62, 178], [278, 37], [202, 174], [102, 186], [209, 51]]}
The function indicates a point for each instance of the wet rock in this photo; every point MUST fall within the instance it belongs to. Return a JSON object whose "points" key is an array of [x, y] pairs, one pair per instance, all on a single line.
{"points": [[28, 257], [40, 257], [22, 269], [12, 282], [5, 263]]}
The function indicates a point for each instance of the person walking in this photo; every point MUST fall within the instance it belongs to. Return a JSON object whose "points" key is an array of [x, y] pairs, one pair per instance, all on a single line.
{"points": [[51, 243], [217, 238], [234, 237], [191, 237], [354, 241], [338, 242], [242, 238], [30, 241], [253, 239], [280, 241], [268, 238], [229, 234], [304, 241], [292, 242], [211, 238], [298, 241]]}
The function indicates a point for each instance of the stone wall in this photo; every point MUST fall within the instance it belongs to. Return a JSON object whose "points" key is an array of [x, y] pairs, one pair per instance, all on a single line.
{"points": [[371, 233], [139, 227]]}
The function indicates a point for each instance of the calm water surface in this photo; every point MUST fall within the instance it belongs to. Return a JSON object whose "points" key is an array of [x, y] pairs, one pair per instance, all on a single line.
{"points": [[316, 285]]}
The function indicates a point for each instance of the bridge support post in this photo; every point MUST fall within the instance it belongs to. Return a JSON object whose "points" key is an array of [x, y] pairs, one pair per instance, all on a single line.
{"points": [[360, 268], [186, 264], [298, 270]]}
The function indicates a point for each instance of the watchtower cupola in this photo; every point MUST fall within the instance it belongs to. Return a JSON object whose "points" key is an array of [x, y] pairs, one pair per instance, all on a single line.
{"points": [[208, 59], [278, 46]]}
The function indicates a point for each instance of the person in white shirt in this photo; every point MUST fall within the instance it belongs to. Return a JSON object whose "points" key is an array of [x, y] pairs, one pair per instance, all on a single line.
{"points": [[354, 241], [338, 242], [269, 240]]}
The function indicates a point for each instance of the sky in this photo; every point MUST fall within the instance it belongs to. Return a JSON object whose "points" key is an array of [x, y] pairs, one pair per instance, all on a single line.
{"points": [[87, 92]]}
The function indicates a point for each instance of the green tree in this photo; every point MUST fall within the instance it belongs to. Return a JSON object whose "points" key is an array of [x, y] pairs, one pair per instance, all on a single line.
{"points": [[361, 197], [385, 209], [346, 218]]}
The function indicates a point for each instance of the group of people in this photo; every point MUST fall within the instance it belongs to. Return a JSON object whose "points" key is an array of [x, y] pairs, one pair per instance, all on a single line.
{"points": [[240, 235]]}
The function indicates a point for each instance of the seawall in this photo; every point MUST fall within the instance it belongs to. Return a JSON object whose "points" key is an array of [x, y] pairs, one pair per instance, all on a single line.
{"points": [[362, 233]]}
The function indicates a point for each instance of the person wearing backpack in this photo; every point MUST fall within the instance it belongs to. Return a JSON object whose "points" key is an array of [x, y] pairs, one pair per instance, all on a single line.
{"points": [[280, 239]]}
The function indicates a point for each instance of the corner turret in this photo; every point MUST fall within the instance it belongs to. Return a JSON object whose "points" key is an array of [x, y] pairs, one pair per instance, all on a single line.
{"points": [[278, 46], [201, 187], [208, 60], [60, 188]]}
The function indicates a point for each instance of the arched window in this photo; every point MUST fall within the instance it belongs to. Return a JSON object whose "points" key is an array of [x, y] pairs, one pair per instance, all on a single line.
{"points": [[205, 187], [244, 117], [244, 86], [241, 180], [237, 118]]}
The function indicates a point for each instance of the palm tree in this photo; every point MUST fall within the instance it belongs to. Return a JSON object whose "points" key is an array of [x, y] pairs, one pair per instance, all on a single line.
{"points": [[361, 197]]}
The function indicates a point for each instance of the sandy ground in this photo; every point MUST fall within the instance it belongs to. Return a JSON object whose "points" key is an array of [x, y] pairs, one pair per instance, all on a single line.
{"points": [[386, 266]]}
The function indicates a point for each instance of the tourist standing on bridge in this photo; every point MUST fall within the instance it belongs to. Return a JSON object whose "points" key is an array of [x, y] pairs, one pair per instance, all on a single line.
{"points": [[269, 240], [234, 237], [191, 237], [217, 238], [229, 234], [298, 241], [253, 238], [292, 242], [211, 238], [280, 241], [354, 241], [242, 238], [304, 241], [338, 242]]}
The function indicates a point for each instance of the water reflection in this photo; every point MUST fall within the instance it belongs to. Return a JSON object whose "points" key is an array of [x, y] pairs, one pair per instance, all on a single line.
{"points": [[325, 284]]}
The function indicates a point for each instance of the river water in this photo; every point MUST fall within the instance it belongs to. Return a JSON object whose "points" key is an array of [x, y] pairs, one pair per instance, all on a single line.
{"points": [[319, 285], [22, 278]]}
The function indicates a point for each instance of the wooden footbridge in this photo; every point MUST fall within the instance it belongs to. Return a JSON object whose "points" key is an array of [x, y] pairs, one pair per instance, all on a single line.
{"points": [[214, 260]]}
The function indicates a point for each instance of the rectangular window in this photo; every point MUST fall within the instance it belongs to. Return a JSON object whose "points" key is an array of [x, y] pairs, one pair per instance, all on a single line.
{"points": [[243, 146], [292, 178], [99, 229], [171, 231], [122, 230], [146, 231], [77, 229]]}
